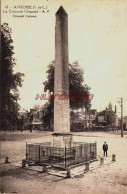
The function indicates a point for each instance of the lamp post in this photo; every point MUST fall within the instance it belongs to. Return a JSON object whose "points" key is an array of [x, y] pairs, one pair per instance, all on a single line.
{"points": [[121, 105]]}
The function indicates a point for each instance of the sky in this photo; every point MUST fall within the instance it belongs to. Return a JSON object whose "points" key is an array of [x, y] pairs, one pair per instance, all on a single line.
{"points": [[97, 40]]}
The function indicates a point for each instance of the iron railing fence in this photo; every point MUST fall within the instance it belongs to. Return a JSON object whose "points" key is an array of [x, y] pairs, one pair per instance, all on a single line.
{"points": [[61, 157]]}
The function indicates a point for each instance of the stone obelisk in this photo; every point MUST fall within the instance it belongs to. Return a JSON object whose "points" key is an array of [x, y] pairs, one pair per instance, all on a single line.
{"points": [[62, 136]]}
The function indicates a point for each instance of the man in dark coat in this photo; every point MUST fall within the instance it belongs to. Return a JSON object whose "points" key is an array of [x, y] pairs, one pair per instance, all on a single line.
{"points": [[105, 148]]}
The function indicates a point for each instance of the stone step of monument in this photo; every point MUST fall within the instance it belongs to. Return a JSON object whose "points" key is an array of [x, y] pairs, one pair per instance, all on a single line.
{"points": [[35, 168], [76, 173], [96, 164], [57, 172], [64, 173], [78, 169]]}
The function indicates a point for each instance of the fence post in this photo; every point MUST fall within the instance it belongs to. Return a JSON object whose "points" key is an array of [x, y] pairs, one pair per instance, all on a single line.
{"points": [[101, 161], [23, 163], [87, 152], [95, 150], [87, 166], [44, 168], [90, 151], [65, 157], [26, 151], [39, 153], [68, 175], [7, 160], [113, 157]]}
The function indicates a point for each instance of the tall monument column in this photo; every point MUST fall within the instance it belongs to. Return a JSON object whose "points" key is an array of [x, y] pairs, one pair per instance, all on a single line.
{"points": [[61, 85], [61, 136]]}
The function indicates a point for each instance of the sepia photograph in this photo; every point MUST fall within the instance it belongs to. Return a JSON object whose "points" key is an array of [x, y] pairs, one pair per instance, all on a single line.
{"points": [[63, 97]]}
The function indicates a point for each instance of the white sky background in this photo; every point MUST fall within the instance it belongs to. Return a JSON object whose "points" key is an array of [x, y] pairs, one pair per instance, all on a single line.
{"points": [[97, 40]]}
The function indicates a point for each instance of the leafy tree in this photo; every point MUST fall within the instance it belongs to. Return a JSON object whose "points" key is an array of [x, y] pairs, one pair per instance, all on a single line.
{"points": [[76, 86], [10, 81]]}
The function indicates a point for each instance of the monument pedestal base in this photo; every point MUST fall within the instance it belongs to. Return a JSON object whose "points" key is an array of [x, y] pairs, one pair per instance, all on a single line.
{"points": [[60, 140]]}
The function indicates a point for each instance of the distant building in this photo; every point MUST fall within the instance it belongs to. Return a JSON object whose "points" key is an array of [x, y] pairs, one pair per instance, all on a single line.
{"points": [[107, 117], [80, 120]]}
